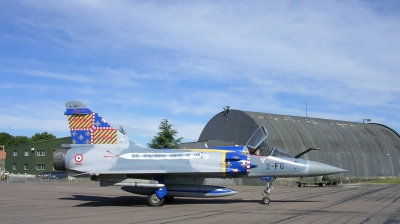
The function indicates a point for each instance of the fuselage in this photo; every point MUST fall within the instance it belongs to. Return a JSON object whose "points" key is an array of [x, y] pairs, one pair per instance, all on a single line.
{"points": [[103, 159]]}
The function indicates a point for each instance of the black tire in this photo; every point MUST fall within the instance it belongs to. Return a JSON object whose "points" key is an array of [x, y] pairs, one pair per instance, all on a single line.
{"points": [[154, 200], [265, 200]]}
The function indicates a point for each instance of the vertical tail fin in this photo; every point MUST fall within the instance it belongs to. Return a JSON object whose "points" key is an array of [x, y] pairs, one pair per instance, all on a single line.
{"points": [[87, 127]]}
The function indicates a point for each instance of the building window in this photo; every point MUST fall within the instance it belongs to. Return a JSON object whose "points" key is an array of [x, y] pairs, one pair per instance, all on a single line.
{"points": [[40, 153], [14, 166], [25, 166], [40, 167], [15, 153], [26, 153]]}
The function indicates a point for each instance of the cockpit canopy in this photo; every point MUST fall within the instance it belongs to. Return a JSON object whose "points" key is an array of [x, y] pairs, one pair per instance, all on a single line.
{"points": [[280, 153]]}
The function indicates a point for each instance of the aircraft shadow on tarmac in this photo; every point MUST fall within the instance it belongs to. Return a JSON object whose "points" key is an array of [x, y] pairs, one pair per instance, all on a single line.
{"points": [[100, 201]]}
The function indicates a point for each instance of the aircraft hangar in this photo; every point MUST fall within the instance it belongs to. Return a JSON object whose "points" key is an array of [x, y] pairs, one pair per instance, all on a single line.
{"points": [[364, 149]]}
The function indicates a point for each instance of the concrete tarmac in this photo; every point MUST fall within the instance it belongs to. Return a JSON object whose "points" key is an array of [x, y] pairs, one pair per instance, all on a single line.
{"points": [[87, 202]]}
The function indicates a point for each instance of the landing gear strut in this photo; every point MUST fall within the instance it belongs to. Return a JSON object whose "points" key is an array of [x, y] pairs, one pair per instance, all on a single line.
{"points": [[268, 189]]}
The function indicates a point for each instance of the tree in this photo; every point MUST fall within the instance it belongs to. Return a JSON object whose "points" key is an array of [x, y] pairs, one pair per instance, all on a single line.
{"points": [[21, 139], [165, 138], [122, 130], [42, 136], [6, 139]]}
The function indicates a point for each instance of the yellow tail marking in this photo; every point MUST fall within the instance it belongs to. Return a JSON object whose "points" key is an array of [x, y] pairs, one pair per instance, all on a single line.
{"points": [[80, 121], [108, 136], [223, 164]]}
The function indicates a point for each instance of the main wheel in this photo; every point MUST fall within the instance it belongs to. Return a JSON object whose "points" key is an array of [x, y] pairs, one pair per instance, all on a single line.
{"points": [[154, 200], [265, 200]]}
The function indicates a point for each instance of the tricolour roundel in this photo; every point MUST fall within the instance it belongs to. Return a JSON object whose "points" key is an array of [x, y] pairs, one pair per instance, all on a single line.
{"points": [[78, 158]]}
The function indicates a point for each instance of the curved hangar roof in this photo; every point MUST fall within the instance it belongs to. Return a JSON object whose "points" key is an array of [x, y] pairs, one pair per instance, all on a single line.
{"points": [[363, 149]]}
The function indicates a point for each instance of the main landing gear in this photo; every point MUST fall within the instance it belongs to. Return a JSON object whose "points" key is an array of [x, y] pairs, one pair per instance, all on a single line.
{"points": [[154, 200], [270, 185]]}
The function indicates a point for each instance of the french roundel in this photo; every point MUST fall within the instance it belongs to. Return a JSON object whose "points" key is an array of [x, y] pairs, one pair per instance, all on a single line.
{"points": [[78, 158]]}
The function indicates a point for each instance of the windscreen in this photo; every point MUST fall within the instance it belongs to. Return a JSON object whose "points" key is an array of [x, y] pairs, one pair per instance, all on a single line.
{"points": [[280, 153]]}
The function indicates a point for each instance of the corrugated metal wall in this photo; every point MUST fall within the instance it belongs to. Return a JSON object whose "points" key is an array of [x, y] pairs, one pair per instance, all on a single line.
{"points": [[362, 149]]}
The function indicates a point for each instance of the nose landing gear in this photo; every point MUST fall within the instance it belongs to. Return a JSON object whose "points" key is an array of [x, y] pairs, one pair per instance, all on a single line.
{"points": [[270, 185]]}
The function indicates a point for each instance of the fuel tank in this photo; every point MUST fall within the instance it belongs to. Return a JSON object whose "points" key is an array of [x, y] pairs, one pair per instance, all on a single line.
{"points": [[185, 190]]}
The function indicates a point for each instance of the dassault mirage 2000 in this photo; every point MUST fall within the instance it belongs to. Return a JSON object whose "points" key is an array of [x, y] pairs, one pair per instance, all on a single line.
{"points": [[102, 152]]}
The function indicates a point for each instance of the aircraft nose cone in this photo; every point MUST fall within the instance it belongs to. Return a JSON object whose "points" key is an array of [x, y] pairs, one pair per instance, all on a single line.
{"points": [[318, 169]]}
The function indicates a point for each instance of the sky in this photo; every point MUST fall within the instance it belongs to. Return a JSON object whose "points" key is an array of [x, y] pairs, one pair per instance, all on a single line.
{"points": [[136, 63]]}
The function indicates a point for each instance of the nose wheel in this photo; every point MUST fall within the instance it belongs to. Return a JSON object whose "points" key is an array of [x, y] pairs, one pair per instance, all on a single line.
{"points": [[265, 200]]}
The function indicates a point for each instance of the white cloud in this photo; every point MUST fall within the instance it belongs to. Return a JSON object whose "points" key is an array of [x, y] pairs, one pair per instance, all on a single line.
{"points": [[64, 77]]}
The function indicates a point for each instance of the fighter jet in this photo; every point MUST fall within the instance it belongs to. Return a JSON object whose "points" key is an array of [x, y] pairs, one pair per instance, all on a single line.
{"points": [[100, 151]]}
